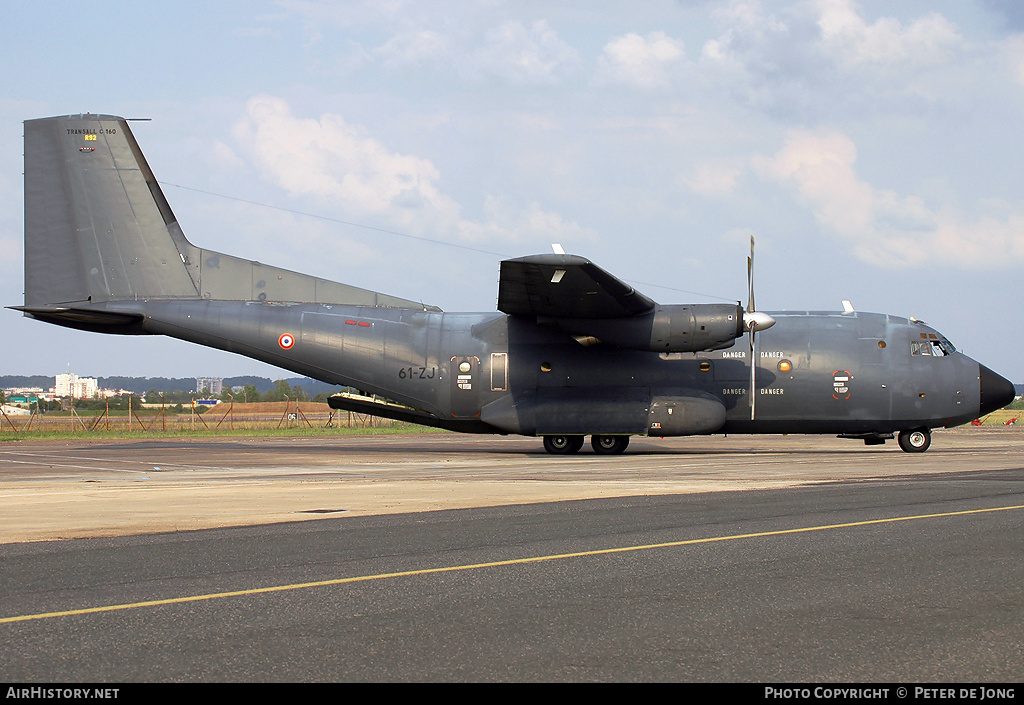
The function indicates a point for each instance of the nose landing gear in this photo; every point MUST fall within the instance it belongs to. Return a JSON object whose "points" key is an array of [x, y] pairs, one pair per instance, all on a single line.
{"points": [[916, 440]]}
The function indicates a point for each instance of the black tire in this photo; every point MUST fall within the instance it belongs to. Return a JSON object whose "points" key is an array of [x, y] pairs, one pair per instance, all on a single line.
{"points": [[915, 441], [563, 445], [609, 445]]}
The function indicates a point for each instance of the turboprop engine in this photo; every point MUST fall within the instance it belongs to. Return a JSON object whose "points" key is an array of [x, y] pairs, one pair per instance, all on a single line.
{"points": [[665, 328]]}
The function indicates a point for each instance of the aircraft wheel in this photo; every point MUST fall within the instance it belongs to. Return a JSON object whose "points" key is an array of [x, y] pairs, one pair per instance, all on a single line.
{"points": [[609, 445], [563, 445], [916, 441]]}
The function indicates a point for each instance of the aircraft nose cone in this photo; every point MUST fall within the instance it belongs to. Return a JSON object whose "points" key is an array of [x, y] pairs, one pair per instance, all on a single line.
{"points": [[996, 391]]}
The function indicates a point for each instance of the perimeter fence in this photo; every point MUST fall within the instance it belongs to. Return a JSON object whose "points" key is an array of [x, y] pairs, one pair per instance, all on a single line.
{"points": [[264, 416]]}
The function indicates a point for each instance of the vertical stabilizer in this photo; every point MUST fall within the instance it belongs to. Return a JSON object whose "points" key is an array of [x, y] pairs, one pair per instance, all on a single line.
{"points": [[97, 227], [98, 230]]}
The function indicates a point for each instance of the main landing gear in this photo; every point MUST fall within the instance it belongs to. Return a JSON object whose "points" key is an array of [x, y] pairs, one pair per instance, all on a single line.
{"points": [[915, 441], [602, 444], [563, 445]]}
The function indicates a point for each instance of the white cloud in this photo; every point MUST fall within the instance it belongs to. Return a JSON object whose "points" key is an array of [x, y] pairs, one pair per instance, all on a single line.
{"points": [[534, 223], [476, 41], [334, 160], [650, 62], [413, 48], [818, 60], [848, 38], [1013, 52], [522, 55], [886, 228], [714, 178], [223, 156], [748, 17]]}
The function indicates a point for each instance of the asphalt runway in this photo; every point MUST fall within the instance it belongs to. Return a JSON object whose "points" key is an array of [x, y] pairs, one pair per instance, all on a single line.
{"points": [[452, 558]]}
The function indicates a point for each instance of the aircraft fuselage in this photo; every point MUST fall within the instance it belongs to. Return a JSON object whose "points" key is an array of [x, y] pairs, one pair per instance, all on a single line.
{"points": [[817, 372]]}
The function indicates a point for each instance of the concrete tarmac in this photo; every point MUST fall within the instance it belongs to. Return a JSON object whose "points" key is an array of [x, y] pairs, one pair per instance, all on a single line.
{"points": [[76, 489], [836, 562]]}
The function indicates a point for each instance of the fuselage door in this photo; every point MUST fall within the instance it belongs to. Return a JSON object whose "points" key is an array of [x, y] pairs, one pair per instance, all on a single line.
{"points": [[499, 372], [465, 391]]}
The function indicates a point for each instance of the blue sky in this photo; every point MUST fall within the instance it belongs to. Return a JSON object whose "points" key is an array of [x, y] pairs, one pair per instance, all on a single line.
{"points": [[872, 148]]}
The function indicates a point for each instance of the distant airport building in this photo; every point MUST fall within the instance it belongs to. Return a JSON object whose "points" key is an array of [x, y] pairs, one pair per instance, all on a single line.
{"points": [[209, 385], [24, 395], [24, 391], [22, 399], [108, 393], [71, 385]]}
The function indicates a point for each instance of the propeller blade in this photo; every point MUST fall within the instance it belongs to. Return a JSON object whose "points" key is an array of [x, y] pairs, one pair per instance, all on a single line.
{"points": [[751, 317], [753, 368], [752, 320], [750, 277]]}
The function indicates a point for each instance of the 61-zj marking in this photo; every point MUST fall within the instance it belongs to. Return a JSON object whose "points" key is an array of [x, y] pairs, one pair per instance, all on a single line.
{"points": [[417, 372]]}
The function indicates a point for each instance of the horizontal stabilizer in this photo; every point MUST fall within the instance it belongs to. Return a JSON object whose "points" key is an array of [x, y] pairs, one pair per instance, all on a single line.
{"points": [[91, 319]]}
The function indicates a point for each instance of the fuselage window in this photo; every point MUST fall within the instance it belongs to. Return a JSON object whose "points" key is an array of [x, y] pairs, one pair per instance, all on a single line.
{"points": [[920, 348]]}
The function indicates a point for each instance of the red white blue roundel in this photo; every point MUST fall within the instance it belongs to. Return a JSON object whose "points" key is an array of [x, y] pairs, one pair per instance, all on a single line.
{"points": [[286, 341]]}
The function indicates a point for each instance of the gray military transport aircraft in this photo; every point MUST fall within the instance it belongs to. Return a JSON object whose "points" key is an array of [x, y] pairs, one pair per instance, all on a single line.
{"points": [[573, 351]]}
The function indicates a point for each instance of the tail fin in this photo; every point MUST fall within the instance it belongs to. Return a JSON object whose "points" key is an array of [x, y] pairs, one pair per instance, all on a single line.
{"points": [[99, 230], [97, 226]]}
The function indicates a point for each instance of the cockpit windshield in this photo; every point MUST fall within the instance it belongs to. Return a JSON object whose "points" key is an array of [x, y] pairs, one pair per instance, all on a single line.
{"points": [[931, 345]]}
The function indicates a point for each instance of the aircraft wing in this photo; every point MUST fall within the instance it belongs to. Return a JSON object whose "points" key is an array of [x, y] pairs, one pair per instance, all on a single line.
{"points": [[565, 286]]}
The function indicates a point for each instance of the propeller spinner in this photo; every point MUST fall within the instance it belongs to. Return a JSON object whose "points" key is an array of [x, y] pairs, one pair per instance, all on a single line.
{"points": [[753, 321]]}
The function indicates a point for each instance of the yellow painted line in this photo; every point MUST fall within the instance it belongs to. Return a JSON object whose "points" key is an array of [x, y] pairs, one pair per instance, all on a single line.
{"points": [[492, 564]]}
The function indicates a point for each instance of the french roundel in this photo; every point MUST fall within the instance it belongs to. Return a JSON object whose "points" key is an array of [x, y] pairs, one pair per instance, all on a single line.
{"points": [[286, 341]]}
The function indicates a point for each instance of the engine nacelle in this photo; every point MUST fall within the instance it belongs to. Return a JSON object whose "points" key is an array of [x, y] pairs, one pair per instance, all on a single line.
{"points": [[695, 327], [672, 328]]}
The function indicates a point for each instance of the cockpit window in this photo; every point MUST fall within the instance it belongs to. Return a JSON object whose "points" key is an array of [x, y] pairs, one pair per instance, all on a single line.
{"points": [[932, 348]]}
